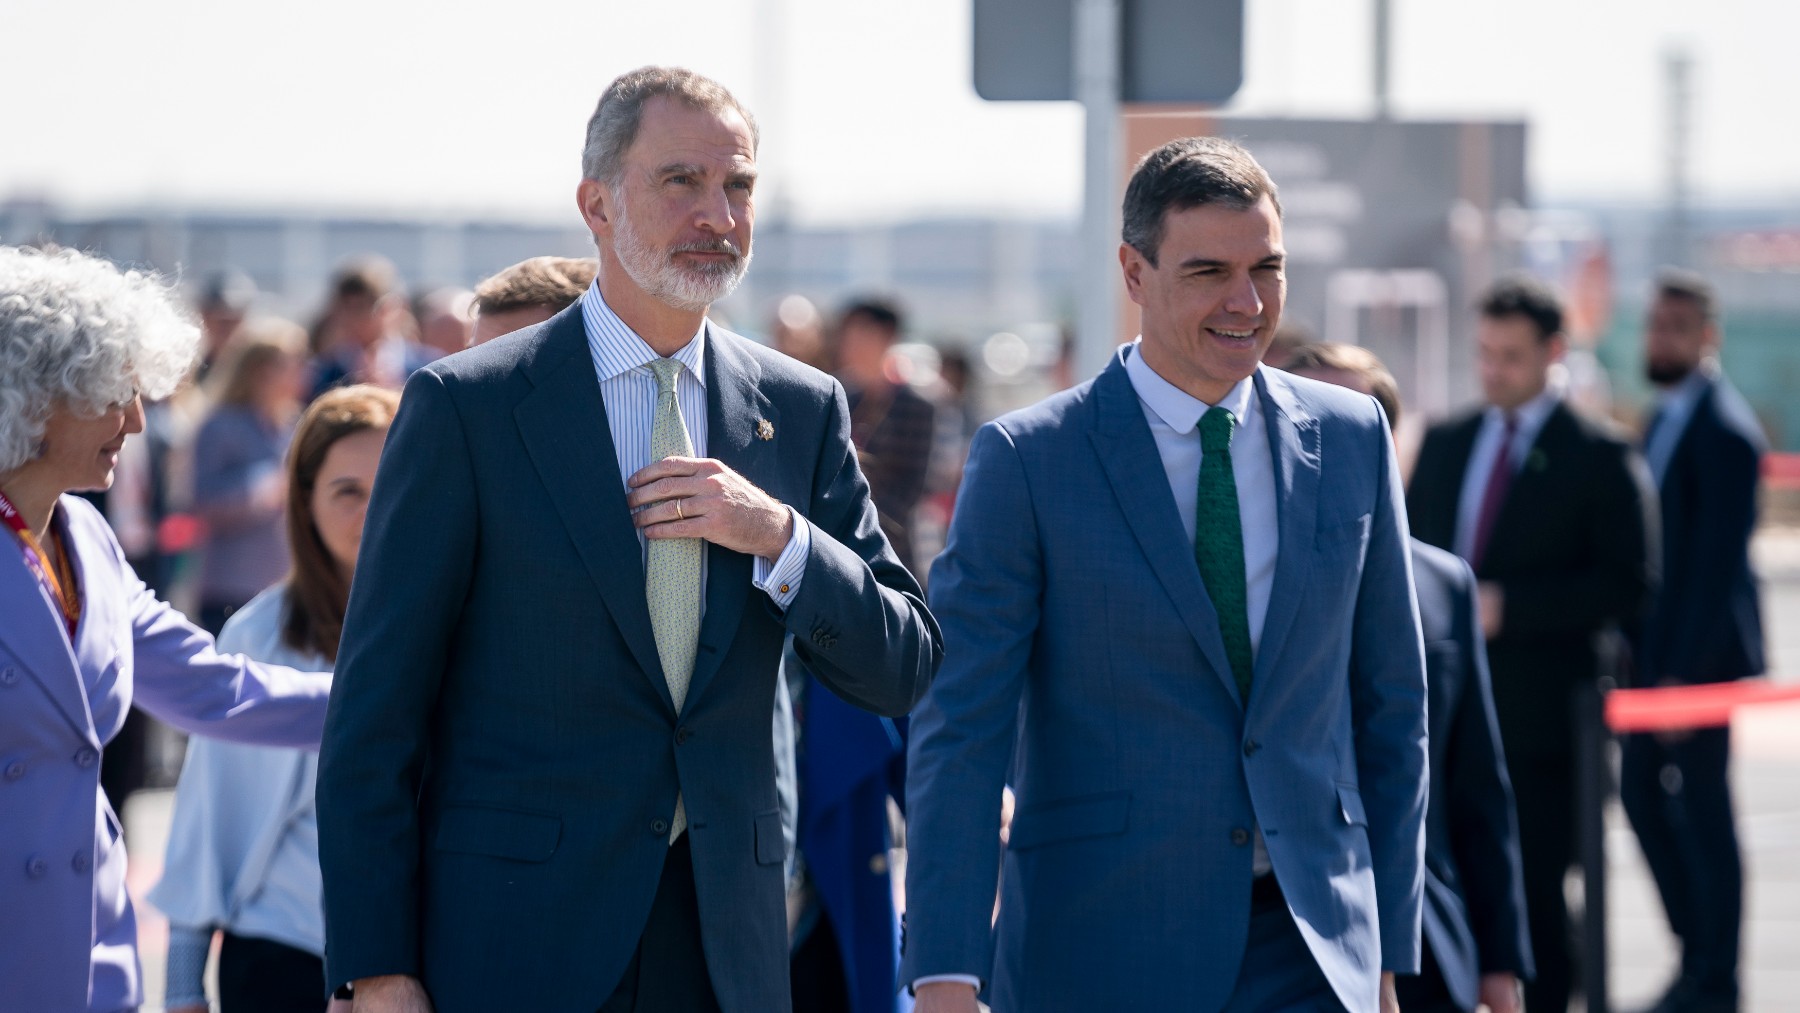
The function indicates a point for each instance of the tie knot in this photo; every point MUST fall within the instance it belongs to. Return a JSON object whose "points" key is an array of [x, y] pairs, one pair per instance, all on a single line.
{"points": [[1511, 418], [1215, 430], [666, 371]]}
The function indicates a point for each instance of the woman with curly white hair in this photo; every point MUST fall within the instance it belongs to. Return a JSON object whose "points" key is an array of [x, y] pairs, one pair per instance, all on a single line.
{"points": [[81, 638]]}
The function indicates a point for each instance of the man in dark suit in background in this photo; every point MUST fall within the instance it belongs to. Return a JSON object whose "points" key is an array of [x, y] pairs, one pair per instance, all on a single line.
{"points": [[1555, 514], [548, 780], [891, 424], [1476, 948], [1704, 447]]}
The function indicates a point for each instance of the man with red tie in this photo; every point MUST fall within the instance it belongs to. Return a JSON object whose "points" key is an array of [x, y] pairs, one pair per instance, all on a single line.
{"points": [[1554, 512]]}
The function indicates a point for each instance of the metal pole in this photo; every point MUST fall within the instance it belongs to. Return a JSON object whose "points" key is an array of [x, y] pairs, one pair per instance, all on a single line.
{"points": [[1593, 787], [1382, 57], [1097, 69]]}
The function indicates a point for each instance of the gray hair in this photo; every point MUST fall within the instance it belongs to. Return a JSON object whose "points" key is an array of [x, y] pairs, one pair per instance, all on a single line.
{"points": [[1190, 172], [77, 331], [614, 124]]}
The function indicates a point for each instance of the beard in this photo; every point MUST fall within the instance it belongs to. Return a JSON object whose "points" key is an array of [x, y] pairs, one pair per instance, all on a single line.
{"points": [[1667, 372], [690, 287]]}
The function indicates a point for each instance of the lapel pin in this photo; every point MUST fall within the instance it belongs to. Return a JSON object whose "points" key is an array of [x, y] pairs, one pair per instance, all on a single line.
{"points": [[765, 430]]}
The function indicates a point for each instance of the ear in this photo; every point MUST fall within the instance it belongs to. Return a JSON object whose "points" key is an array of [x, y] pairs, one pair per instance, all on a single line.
{"points": [[1557, 346], [594, 198], [1134, 265]]}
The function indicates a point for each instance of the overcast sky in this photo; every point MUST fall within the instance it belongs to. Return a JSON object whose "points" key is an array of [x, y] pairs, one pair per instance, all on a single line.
{"points": [[469, 109]]}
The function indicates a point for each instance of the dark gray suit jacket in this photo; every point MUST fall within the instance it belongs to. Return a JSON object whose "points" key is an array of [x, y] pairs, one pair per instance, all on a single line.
{"points": [[502, 754]]}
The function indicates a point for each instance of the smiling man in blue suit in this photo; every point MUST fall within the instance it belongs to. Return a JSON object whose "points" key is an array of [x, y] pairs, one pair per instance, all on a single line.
{"points": [[1178, 609]]}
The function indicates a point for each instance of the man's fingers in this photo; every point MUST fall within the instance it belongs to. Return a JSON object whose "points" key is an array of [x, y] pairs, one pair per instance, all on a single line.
{"points": [[668, 467], [675, 510], [665, 489]]}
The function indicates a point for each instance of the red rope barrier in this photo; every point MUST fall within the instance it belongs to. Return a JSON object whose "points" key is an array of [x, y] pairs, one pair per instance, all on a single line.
{"points": [[1672, 708]]}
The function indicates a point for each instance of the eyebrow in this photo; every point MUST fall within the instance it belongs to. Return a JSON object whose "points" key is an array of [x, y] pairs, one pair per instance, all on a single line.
{"points": [[1194, 263], [747, 175]]}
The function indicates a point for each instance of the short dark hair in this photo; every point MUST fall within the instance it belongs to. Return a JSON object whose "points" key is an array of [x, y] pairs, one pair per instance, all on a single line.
{"points": [[1190, 172], [1520, 296], [550, 283], [1676, 283], [369, 275], [882, 313], [1355, 360]]}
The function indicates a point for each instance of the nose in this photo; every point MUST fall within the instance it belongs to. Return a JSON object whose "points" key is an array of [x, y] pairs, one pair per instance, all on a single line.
{"points": [[715, 213], [1243, 299], [134, 415]]}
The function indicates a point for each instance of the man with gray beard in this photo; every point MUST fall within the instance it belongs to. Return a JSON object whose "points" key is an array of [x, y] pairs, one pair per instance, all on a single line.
{"points": [[547, 779]]}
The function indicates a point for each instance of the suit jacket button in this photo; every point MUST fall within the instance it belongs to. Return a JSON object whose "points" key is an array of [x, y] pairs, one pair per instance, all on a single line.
{"points": [[86, 758], [83, 862], [1240, 837], [682, 735], [659, 827], [15, 770], [35, 867], [1251, 746], [8, 676]]}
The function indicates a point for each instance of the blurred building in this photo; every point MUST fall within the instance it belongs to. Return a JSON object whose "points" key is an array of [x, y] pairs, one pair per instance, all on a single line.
{"points": [[1003, 288]]}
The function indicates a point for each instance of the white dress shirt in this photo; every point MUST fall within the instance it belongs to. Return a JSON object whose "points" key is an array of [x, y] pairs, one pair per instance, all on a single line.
{"points": [[1675, 405], [1174, 418], [621, 360], [1531, 415]]}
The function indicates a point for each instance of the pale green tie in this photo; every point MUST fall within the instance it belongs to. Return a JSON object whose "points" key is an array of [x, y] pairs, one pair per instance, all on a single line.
{"points": [[672, 566]]}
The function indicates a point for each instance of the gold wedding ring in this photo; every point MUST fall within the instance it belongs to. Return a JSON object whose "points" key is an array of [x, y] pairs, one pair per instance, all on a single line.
{"points": [[678, 514]]}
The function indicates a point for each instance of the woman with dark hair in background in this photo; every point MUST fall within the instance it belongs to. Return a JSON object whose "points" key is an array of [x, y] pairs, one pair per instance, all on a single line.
{"points": [[243, 845], [238, 483]]}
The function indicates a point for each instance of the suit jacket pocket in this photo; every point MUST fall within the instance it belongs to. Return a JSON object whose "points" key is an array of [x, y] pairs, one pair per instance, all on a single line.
{"points": [[516, 834], [1350, 806], [771, 843], [1071, 819], [1353, 530]]}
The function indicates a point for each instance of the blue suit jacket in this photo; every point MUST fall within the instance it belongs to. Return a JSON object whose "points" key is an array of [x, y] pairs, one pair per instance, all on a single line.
{"points": [[502, 754], [1079, 637], [68, 936], [1474, 879], [1705, 622], [851, 761]]}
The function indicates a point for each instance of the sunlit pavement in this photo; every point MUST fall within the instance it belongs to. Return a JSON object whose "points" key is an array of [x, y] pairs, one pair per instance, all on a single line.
{"points": [[1766, 777]]}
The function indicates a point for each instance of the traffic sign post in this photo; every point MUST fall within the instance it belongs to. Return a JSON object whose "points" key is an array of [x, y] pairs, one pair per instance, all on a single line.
{"points": [[1103, 53]]}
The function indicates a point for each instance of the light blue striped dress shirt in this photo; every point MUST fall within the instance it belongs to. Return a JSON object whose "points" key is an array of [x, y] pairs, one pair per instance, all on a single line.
{"points": [[621, 360]]}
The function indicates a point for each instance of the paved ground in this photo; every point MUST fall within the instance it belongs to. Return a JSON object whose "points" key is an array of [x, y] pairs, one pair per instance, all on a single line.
{"points": [[1766, 776]]}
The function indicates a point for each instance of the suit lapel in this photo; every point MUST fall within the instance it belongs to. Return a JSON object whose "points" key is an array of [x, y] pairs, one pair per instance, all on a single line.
{"points": [[734, 408], [33, 632], [1294, 448], [564, 427], [1133, 466]]}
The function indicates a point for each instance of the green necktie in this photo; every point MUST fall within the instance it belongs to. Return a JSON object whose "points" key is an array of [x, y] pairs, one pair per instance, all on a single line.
{"points": [[672, 566], [1219, 542]]}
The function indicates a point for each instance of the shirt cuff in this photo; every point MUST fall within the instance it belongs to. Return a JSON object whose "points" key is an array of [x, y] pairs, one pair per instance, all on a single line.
{"points": [[185, 973], [780, 580], [932, 979]]}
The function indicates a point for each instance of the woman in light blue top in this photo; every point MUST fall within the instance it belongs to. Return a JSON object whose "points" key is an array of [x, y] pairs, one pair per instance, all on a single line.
{"points": [[243, 851]]}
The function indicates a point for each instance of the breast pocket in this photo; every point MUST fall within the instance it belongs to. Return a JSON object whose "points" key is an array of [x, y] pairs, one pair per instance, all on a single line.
{"points": [[1354, 532]]}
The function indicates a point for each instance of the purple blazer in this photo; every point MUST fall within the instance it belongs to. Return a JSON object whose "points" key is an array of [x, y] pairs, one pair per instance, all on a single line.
{"points": [[68, 938]]}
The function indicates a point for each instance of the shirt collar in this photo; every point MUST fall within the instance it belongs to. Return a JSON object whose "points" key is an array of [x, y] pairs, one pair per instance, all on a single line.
{"points": [[617, 349], [1533, 413], [1684, 392], [1177, 408]]}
